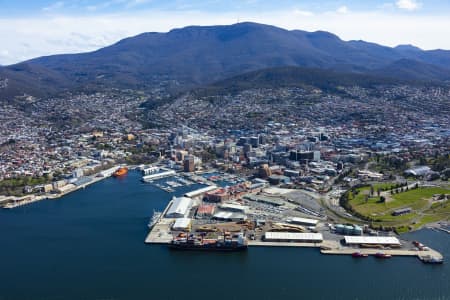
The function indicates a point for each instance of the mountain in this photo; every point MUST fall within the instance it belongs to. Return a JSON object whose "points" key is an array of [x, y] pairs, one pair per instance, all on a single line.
{"points": [[410, 69], [198, 55], [327, 80]]}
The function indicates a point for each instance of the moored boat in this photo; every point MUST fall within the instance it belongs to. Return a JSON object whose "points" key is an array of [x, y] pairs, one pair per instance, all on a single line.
{"points": [[428, 259], [359, 255], [120, 172], [382, 255]]}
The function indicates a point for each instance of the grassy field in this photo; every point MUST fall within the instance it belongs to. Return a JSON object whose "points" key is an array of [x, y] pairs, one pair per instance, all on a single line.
{"points": [[418, 199]]}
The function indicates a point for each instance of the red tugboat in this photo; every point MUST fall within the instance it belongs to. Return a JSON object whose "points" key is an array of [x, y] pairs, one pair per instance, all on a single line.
{"points": [[382, 255], [359, 255]]}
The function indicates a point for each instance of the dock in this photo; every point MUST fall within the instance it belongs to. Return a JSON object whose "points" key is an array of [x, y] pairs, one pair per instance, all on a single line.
{"points": [[160, 233], [394, 252], [33, 198]]}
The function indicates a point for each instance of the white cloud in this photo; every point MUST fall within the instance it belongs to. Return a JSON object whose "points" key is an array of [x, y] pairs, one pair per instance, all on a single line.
{"points": [[303, 13], [342, 10], [54, 6], [408, 4], [27, 38]]}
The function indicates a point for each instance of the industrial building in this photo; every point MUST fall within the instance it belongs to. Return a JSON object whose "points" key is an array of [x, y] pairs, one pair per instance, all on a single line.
{"points": [[205, 211], [230, 216], [234, 208], [348, 229], [180, 207], [372, 240], [200, 191], [303, 221], [182, 224], [299, 237], [275, 201], [219, 195]]}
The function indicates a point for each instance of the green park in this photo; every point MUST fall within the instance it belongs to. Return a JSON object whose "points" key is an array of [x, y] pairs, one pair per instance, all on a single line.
{"points": [[401, 207]]}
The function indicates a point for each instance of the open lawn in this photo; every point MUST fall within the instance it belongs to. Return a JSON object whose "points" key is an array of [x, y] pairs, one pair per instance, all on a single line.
{"points": [[417, 199]]}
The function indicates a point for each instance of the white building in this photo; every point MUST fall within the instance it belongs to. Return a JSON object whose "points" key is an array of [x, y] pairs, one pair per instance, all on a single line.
{"points": [[234, 208], [182, 224], [372, 240], [304, 237], [180, 207]]}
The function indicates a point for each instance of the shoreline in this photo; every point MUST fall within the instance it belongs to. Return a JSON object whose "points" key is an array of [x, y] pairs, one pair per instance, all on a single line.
{"points": [[35, 198]]}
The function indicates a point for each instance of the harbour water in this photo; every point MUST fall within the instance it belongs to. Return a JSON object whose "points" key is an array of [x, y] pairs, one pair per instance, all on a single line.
{"points": [[90, 245]]}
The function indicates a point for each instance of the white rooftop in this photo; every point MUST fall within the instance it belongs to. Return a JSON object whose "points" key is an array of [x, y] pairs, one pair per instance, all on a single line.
{"points": [[180, 206], [182, 223], [304, 221], [378, 240], [293, 236]]}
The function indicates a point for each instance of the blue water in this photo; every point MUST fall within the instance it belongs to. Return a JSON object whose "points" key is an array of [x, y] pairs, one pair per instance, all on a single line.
{"points": [[89, 245]]}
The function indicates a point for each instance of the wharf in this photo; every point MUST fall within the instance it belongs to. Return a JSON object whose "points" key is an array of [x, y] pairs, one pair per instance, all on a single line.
{"points": [[160, 233], [325, 243], [33, 198], [394, 252]]}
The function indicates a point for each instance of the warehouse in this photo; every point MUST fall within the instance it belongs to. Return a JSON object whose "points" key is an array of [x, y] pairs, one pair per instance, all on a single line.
{"points": [[230, 216], [303, 221], [182, 224], [201, 191], [234, 208], [205, 211], [180, 207], [304, 237], [372, 240]]}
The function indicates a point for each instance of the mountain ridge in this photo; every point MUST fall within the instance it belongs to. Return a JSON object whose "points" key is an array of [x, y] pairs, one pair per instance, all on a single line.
{"points": [[199, 55]]}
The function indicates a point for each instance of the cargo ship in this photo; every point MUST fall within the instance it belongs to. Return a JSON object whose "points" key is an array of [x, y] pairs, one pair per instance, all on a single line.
{"points": [[193, 242], [120, 172]]}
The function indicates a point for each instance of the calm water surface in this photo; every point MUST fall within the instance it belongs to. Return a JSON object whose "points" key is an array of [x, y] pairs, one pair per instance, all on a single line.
{"points": [[89, 245]]}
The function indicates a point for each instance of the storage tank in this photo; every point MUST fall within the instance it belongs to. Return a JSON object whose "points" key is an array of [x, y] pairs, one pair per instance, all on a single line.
{"points": [[339, 228], [357, 230]]}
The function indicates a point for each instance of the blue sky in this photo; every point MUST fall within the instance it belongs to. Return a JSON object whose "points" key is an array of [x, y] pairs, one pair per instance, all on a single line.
{"points": [[43, 27]]}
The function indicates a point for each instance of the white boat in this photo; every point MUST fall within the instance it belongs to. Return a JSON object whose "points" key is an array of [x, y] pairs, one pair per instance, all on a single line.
{"points": [[154, 219]]}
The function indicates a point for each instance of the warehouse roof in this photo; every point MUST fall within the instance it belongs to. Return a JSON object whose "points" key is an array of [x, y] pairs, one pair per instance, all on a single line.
{"points": [[294, 236], [201, 191], [304, 221], [180, 206], [377, 240], [182, 223]]}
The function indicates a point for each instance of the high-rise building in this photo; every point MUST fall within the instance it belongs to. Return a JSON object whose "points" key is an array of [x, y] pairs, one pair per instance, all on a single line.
{"points": [[189, 163]]}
